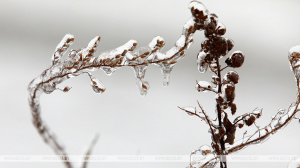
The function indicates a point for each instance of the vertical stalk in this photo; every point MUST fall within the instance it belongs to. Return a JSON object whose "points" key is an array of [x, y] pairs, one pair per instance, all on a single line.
{"points": [[220, 118]]}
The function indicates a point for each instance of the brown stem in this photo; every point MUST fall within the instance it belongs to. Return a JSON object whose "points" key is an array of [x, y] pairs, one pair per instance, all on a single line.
{"points": [[220, 118]]}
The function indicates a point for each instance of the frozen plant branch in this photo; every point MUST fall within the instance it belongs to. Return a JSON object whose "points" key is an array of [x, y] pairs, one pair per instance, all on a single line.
{"points": [[84, 61], [213, 49]]}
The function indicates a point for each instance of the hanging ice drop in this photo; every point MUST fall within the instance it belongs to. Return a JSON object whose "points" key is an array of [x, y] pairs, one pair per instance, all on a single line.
{"points": [[97, 86]]}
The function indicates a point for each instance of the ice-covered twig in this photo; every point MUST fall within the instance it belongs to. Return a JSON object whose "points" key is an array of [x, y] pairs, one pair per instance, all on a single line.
{"points": [[84, 61], [281, 119]]}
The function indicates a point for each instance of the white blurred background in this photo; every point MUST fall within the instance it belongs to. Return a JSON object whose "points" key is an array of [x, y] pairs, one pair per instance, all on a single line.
{"points": [[128, 123]]}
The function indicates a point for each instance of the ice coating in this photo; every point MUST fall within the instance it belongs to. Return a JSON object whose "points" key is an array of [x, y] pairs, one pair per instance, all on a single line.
{"points": [[190, 23], [153, 43], [84, 61], [294, 58], [203, 157], [201, 63], [279, 121], [199, 6], [61, 48], [91, 48], [203, 86]]}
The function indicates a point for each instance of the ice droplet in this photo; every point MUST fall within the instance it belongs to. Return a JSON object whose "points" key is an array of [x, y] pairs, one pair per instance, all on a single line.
{"points": [[66, 89], [97, 86], [143, 86], [48, 87], [205, 149], [108, 70]]}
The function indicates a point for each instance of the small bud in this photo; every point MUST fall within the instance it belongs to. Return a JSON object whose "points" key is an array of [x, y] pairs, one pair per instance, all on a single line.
{"points": [[235, 60]]}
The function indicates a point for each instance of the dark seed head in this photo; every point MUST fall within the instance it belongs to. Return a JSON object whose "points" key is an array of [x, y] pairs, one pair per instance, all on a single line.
{"points": [[235, 60]]}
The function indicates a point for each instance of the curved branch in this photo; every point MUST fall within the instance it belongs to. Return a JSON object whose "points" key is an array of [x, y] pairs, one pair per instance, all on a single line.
{"points": [[83, 61]]}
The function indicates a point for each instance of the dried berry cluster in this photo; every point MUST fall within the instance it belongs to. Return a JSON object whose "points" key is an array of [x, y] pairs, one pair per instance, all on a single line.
{"points": [[223, 131], [212, 49]]}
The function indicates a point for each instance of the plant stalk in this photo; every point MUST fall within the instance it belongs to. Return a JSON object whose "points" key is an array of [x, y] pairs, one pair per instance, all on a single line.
{"points": [[220, 119]]}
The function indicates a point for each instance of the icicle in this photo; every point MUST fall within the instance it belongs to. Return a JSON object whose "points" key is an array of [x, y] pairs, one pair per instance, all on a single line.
{"points": [[166, 71], [139, 72]]}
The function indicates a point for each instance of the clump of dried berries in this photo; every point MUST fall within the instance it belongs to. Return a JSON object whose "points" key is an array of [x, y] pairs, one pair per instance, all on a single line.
{"points": [[231, 76], [236, 59]]}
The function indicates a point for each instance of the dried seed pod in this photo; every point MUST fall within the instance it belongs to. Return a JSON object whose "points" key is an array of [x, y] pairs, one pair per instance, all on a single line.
{"points": [[241, 125], [219, 99], [233, 108], [230, 130], [236, 59], [250, 120], [210, 28], [230, 44], [198, 10], [229, 92], [231, 76], [219, 46], [221, 31]]}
